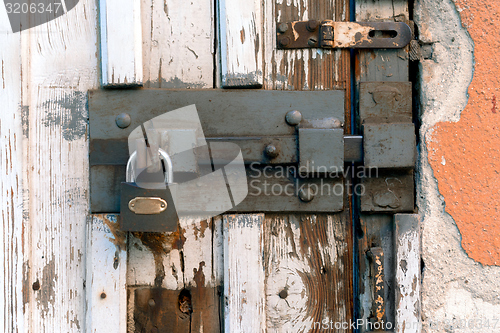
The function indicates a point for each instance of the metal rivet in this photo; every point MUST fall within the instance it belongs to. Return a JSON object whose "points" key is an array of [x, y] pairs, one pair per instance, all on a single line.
{"points": [[312, 41], [283, 294], [103, 295], [312, 25], [283, 27], [293, 118], [306, 194], [271, 151], [123, 120], [284, 41], [151, 302]]}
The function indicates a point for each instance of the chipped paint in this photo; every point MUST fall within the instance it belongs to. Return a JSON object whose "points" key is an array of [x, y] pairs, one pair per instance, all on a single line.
{"points": [[69, 112], [468, 180], [46, 296], [119, 237]]}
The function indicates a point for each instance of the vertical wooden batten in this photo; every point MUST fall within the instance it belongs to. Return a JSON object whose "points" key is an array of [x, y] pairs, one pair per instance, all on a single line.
{"points": [[15, 286], [106, 264], [307, 257], [121, 43], [408, 271], [178, 43], [241, 43], [59, 66], [244, 288]]}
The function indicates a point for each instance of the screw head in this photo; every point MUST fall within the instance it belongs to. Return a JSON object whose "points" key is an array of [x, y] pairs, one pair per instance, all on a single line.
{"points": [[312, 25], [312, 41], [284, 41], [293, 118], [103, 295], [283, 27], [271, 151], [306, 194], [283, 294], [123, 120]]}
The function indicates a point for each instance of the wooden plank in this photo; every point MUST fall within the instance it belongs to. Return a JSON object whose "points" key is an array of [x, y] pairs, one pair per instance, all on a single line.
{"points": [[244, 301], [378, 230], [178, 46], [14, 286], [59, 66], [106, 285], [240, 43], [178, 43], [297, 70], [121, 42], [307, 259], [306, 69], [169, 266], [408, 279], [382, 65]]}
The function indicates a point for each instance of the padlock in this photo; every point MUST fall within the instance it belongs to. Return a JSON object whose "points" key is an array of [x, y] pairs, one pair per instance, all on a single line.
{"points": [[148, 208]]}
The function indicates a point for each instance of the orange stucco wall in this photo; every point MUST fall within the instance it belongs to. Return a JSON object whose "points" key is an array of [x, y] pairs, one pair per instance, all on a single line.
{"points": [[465, 155]]}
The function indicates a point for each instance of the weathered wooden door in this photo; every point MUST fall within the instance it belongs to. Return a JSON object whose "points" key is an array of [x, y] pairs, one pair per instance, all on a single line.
{"points": [[67, 269], [243, 272]]}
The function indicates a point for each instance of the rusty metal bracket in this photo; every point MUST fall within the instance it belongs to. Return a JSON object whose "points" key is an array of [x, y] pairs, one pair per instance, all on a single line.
{"points": [[330, 34]]}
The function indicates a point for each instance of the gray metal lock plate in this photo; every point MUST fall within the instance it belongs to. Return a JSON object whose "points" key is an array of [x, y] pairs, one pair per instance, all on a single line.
{"points": [[255, 120], [147, 213]]}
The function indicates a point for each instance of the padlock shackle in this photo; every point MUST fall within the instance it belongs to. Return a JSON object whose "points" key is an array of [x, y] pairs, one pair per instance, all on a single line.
{"points": [[169, 174]]}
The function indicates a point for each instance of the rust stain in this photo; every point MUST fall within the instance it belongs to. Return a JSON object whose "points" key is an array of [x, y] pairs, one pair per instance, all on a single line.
{"points": [[160, 244], [465, 155], [119, 237], [199, 277], [201, 230], [242, 36]]}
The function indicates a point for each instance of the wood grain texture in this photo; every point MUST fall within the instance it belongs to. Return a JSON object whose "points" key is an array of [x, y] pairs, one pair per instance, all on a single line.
{"points": [[120, 42], [106, 275], [382, 65], [13, 257], [244, 301], [308, 262], [178, 43], [408, 280], [178, 52], [307, 69], [303, 283], [59, 65], [170, 264], [240, 43]]}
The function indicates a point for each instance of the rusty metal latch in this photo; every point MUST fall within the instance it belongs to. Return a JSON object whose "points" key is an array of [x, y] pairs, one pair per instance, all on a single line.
{"points": [[329, 34]]}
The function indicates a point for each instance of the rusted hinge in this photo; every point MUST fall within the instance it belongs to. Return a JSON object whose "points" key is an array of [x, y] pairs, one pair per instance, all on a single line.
{"points": [[330, 34]]}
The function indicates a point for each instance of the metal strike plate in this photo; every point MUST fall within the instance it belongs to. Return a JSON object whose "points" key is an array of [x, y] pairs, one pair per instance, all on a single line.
{"points": [[389, 145], [330, 34], [147, 214], [147, 205], [387, 191], [385, 102]]}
